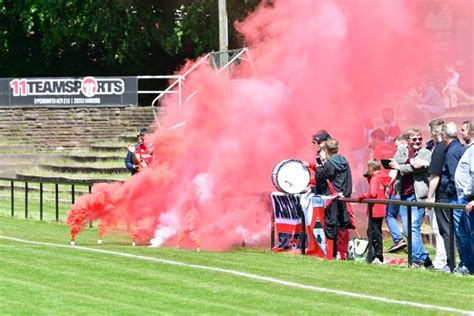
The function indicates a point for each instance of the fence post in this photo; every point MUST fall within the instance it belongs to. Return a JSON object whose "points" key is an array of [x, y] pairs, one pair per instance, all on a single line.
{"points": [[369, 234], [303, 232], [56, 200], [272, 233], [90, 190], [73, 194], [41, 201], [12, 200], [26, 199], [452, 257], [409, 234]]}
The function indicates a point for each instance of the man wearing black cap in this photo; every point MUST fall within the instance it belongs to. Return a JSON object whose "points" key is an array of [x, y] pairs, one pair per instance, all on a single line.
{"points": [[319, 142]]}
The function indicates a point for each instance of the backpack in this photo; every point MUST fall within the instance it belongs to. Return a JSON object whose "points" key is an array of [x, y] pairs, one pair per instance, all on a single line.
{"points": [[357, 249]]}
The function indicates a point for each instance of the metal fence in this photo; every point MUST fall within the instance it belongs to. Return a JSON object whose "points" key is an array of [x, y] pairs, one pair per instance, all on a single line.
{"points": [[38, 193], [72, 193], [409, 205]]}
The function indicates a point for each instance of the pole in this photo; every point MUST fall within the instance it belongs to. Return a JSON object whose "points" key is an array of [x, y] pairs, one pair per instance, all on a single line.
{"points": [[223, 33]]}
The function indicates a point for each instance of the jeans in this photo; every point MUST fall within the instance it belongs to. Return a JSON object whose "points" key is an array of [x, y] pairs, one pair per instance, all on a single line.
{"points": [[418, 251], [392, 222], [464, 234]]}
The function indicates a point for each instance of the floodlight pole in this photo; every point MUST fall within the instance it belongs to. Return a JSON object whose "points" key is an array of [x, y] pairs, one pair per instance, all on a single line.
{"points": [[223, 32]]}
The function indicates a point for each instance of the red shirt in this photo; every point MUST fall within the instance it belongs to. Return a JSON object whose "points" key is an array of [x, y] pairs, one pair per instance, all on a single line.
{"points": [[143, 154], [392, 131], [384, 151], [377, 185]]}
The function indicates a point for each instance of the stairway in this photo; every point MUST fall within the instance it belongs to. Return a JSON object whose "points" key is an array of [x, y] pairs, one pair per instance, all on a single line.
{"points": [[70, 128]]}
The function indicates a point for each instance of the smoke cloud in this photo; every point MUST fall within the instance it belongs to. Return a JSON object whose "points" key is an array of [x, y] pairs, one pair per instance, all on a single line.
{"points": [[311, 65]]}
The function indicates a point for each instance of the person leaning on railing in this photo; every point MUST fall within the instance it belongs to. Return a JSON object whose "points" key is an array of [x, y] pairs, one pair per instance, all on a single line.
{"points": [[464, 179], [412, 185], [378, 182], [446, 190]]}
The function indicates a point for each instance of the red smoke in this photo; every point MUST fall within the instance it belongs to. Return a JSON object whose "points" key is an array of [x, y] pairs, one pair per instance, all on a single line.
{"points": [[313, 64]]}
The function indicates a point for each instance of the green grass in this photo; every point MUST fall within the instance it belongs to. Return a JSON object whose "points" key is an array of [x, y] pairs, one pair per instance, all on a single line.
{"points": [[39, 279]]}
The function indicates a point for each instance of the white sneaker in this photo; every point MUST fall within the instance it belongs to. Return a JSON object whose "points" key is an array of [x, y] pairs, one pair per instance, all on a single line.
{"points": [[444, 268], [377, 261]]}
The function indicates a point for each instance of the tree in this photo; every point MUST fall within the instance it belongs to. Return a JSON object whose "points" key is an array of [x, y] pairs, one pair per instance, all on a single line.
{"points": [[108, 37]]}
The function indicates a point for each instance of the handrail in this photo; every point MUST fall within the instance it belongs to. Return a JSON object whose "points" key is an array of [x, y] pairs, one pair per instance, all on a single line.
{"points": [[179, 79], [409, 205], [242, 51]]}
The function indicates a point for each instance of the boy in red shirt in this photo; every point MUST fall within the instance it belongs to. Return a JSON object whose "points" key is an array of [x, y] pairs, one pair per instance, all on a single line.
{"points": [[378, 183]]}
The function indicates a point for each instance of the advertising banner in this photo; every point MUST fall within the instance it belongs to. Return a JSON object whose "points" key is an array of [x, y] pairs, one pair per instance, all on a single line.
{"points": [[73, 92]]}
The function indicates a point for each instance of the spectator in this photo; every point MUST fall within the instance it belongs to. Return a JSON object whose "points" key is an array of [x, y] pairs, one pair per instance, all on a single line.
{"points": [[391, 217], [319, 142], [412, 185], [430, 100], [381, 149], [463, 178], [139, 155], [335, 172], [465, 133], [451, 91], [392, 130], [443, 168], [360, 152], [378, 183], [437, 158]]}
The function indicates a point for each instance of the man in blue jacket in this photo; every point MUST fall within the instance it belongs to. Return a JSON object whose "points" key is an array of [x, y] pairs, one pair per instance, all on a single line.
{"points": [[447, 185]]}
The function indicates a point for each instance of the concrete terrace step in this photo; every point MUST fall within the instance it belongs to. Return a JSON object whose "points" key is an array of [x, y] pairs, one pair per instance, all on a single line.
{"points": [[84, 169], [7, 148], [79, 158], [15, 159], [109, 148], [64, 179]]}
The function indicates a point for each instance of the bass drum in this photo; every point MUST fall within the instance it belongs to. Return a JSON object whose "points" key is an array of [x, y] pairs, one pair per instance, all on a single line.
{"points": [[291, 176]]}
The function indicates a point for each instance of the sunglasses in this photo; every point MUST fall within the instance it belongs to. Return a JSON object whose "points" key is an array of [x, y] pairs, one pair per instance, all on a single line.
{"points": [[414, 139]]}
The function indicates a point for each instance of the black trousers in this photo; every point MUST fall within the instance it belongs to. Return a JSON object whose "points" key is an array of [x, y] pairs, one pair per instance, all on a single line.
{"points": [[377, 242], [442, 218]]}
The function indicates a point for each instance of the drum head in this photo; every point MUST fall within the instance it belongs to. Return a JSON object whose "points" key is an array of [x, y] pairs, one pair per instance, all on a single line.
{"points": [[291, 176]]}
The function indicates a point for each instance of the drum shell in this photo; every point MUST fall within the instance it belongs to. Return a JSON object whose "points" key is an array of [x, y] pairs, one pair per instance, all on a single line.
{"points": [[278, 167]]}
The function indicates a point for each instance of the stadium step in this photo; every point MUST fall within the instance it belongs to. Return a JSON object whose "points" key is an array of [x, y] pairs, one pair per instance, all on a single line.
{"points": [[82, 169]]}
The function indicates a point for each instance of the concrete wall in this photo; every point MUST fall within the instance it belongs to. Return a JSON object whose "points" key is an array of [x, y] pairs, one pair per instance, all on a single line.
{"points": [[70, 127]]}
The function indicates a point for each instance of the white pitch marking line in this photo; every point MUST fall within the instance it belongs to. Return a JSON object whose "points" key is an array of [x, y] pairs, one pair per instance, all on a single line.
{"points": [[250, 276]]}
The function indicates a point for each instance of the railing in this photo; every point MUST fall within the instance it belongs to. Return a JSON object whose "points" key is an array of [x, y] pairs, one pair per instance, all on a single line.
{"points": [[88, 184], [72, 193], [176, 87], [409, 205]]}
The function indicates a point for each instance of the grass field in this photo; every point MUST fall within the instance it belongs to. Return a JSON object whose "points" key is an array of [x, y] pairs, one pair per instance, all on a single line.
{"points": [[41, 274]]}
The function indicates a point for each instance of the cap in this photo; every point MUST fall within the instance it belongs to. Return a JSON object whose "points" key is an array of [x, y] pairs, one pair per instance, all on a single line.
{"points": [[321, 136]]}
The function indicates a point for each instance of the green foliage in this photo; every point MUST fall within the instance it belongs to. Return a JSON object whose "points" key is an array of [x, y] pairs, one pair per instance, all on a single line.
{"points": [[109, 37], [198, 23]]}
